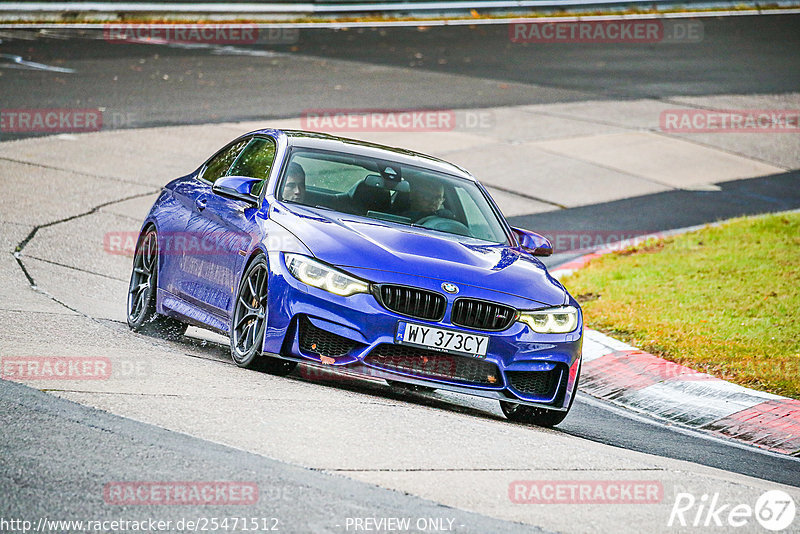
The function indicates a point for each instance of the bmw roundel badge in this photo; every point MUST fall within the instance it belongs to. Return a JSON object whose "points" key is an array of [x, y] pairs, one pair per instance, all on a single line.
{"points": [[450, 288]]}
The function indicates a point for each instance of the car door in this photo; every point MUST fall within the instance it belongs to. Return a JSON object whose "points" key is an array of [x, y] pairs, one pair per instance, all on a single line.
{"points": [[224, 230], [191, 195]]}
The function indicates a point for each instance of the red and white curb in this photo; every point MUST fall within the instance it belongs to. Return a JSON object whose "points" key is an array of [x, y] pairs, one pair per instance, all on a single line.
{"points": [[617, 372], [637, 380]]}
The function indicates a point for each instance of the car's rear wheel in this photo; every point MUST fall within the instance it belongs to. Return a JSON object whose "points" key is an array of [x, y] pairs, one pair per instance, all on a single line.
{"points": [[142, 315], [519, 413], [250, 322]]}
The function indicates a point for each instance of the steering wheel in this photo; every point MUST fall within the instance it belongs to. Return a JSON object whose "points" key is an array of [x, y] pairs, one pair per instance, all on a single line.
{"points": [[443, 224]]}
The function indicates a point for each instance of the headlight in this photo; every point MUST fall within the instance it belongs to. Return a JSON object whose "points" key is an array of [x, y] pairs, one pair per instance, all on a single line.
{"points": [[559, 320], [316, 274]]}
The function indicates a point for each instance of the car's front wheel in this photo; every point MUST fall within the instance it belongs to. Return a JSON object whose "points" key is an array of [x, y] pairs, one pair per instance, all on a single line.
{"points": [[250, 321], [142, 315], [519, 413]]}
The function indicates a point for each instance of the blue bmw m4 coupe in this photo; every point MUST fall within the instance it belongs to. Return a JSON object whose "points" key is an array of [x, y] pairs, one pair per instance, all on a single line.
{"points": [[308, 248]]}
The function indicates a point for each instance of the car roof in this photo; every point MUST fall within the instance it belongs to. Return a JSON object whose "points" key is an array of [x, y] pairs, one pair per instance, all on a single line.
{"points": [[323, 141]]}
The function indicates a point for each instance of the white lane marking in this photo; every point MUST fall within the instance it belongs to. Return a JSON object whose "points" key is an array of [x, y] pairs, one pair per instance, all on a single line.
{"points": [[676, 427], [234, 51], [19, 63], [222, 50]]}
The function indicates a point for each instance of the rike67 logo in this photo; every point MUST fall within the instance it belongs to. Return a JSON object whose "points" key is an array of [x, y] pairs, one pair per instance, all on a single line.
{"points": [[774, 510]]}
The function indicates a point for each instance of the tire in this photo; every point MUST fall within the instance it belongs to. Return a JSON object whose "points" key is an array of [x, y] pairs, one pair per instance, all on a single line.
{"points": [[250, 321], [520, 413], [141, 302]]}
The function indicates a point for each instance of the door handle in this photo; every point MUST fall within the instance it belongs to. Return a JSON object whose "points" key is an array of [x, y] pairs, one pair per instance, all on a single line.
{"points": [[201, 203]]}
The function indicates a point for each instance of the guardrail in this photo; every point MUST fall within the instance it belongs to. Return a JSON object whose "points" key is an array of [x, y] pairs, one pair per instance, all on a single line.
{"points": [[333, 8]]}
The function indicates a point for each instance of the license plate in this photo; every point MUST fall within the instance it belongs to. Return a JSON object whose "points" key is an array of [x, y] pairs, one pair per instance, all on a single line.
{"points": [[442, 340]]}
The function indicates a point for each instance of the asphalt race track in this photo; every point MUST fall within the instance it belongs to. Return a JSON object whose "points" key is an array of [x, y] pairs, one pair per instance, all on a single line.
{"points": [[326, 449], [458, 67]]}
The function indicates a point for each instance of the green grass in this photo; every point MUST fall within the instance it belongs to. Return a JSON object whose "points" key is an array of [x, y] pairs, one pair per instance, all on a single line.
{"points": [[724, 300]]}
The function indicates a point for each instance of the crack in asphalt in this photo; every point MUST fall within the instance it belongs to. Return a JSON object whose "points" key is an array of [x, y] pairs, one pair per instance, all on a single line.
{"points": [[31, 282], [21, 246], [72, 171], [3, 221], [75, 268], [17, 254], [32, 234], [120, 393], [9, 310]]}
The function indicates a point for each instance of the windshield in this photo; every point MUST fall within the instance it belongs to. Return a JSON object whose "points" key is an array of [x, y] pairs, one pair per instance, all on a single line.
{"points": [[390, 191]]}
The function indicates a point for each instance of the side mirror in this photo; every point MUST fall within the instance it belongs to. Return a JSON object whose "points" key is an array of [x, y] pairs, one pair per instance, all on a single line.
{"points": [[536, 244], [237, 187]]}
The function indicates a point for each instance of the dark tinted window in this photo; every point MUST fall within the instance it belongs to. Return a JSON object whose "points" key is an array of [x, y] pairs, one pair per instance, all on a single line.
{"points": [[220, 163]]}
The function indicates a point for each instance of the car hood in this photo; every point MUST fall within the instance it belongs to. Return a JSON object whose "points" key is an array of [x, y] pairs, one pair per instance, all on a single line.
{"points": [[351, 241]]}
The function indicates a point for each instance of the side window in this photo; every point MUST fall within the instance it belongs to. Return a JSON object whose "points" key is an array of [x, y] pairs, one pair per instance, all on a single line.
{"points": [[255, 161], [222, 161]]}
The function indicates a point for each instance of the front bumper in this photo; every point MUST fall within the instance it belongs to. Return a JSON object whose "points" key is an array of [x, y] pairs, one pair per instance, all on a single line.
{"points": [[356, 334]]}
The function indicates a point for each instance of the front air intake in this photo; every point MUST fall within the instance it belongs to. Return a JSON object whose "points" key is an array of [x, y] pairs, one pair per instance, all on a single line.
{"points": [[432, 364], [315, 340], [535, 383]]}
